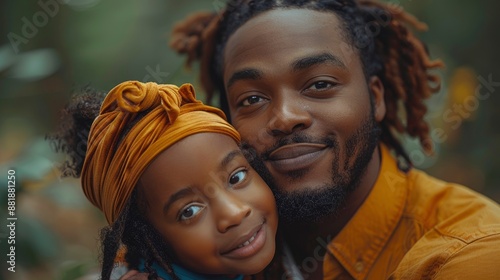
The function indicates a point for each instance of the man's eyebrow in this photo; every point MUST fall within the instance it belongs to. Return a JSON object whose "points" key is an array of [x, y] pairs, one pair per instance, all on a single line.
{"points": [[306, 62], [176, 196], [229, 157], [245, 74]]}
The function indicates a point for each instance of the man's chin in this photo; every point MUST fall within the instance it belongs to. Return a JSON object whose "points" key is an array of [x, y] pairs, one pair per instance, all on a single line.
{"points": [[309, 204], [303, 185]]}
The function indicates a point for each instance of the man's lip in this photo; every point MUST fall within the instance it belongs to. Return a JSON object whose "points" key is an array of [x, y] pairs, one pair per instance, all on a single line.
{"points": [[296, 156], [234, 245], [295, 150]]}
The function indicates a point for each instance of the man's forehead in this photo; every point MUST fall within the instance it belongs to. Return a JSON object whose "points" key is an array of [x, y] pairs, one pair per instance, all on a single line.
{"points": [[299, 24], [289, 34]]}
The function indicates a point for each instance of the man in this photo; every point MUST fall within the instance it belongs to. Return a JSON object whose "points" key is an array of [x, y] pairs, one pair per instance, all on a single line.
{"points": [[320, 91]]}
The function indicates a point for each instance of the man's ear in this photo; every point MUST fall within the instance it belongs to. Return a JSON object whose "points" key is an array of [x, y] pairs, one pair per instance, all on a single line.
{"points": [[377, 91]]}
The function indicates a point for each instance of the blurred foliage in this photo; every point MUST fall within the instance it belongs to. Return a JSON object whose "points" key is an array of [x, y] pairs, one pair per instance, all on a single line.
{"points": [[50, 47]]}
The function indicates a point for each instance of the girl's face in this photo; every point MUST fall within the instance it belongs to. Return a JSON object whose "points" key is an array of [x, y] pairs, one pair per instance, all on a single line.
{"points": [[211, 207]]}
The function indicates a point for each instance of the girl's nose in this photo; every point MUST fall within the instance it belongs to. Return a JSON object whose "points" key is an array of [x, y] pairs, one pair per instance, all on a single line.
{"points": [[230, 211]]}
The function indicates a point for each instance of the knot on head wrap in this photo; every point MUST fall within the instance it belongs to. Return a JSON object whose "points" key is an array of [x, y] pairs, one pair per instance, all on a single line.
{"points": [[134, 97], [138, 121]]}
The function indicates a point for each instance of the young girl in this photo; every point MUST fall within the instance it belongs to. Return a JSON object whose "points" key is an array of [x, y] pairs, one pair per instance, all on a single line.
{"points": [[175, 188]]}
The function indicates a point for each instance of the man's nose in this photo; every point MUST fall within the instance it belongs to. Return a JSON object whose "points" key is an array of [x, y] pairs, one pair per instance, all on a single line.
{"points": [[288, 114]]}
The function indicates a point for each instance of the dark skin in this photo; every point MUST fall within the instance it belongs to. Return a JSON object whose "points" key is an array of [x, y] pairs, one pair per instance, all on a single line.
{"points": [[270, 98], [204, 209], [292, 71]]}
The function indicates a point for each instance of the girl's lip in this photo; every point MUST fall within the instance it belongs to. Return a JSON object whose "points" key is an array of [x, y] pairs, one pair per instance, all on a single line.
{"points": [[256, 238]]}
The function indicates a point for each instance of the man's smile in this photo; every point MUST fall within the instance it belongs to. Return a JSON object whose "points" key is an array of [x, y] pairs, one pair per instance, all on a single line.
{"points": [[296, 156]]}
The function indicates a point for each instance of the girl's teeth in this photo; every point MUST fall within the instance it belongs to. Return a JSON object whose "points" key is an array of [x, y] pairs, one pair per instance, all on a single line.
{"points": [[248, 241]]}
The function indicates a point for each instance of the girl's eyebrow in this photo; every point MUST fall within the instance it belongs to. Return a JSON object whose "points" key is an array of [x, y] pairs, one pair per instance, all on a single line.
{"points": [[229, 157], [176, 196], [190, 190]]}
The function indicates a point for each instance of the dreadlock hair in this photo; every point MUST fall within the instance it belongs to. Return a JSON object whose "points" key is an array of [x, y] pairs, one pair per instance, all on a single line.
{"points": [[141, 240], [377, 31]]}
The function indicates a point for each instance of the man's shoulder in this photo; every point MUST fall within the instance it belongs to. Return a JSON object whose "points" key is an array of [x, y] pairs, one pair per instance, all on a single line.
{"points": [[437, 256], [451, 209], [459, 230]]}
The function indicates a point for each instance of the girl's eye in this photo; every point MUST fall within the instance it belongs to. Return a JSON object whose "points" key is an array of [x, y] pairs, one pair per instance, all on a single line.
{"points": [[251, 100], [321, 85], [190, 212], [238, 177]]}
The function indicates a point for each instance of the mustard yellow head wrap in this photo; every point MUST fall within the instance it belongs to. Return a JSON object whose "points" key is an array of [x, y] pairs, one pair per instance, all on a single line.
{"points": [[119, 150]]}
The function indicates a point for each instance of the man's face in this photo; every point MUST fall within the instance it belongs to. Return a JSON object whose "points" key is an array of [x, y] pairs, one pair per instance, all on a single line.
{"points": [[298, 95]]}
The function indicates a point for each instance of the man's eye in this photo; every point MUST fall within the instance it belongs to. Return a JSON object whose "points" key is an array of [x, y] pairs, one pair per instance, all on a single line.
{"points": [[190, 212], [321, 85], [238, 177], [251, 100]]}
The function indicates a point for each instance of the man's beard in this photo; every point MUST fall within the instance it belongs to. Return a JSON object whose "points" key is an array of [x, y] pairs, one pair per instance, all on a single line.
{"points": [[310, 205]]}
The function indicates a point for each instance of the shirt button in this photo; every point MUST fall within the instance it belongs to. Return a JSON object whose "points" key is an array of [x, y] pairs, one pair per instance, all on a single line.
{"points": [[359, 267]]}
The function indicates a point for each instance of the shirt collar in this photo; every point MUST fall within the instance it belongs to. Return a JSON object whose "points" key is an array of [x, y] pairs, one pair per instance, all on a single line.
{"points": [[361, 241]]}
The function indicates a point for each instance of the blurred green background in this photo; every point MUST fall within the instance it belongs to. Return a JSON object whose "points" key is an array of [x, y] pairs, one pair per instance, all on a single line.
{"points": [[50, 47]]}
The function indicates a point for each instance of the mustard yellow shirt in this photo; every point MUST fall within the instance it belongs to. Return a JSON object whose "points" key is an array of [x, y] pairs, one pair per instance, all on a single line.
{"points": [[414, 226]]}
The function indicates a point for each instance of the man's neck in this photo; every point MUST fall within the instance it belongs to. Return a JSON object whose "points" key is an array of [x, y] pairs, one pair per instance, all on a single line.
{"points": [[306, 239]]}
